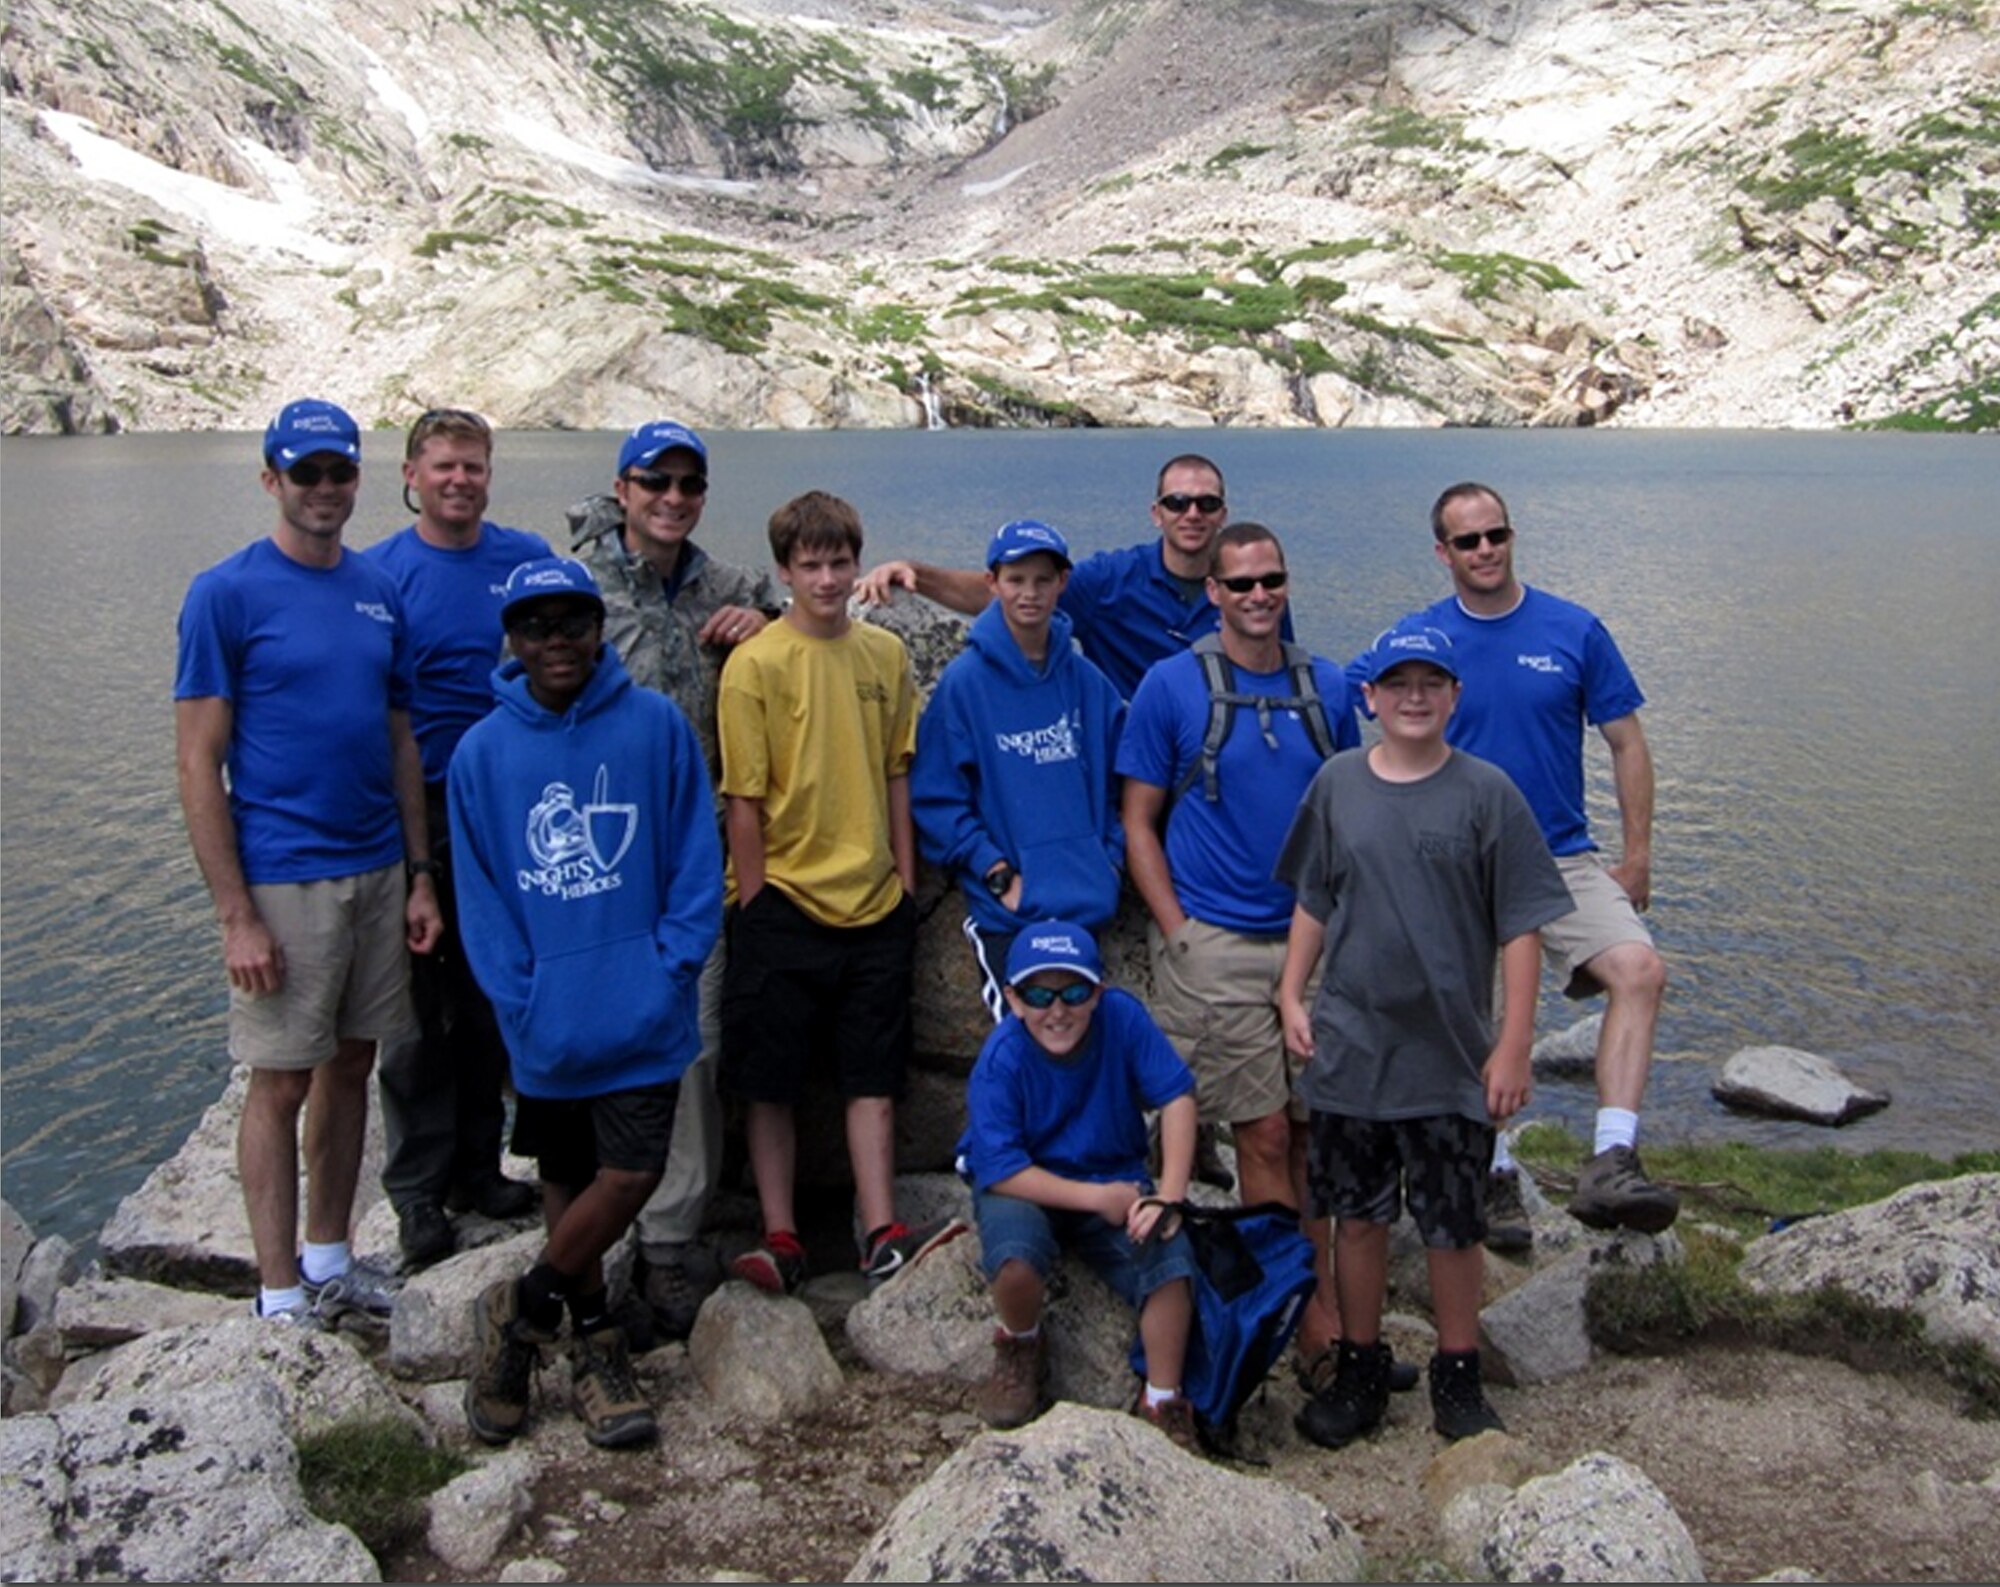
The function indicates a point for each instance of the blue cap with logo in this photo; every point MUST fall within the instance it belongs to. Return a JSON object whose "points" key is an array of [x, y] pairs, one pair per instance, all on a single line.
{"points": [[545, 577], [1411, 639], [642, 448], [309, 426], [1054, 945], [1023, 538]]}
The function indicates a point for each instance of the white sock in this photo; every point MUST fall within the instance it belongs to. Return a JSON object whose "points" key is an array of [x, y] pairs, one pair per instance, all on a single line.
{"points": [[1615, 1127], [1026, 1333], [1503, 1156], [322, 1262], [272, 1301], [1158, 1397]]}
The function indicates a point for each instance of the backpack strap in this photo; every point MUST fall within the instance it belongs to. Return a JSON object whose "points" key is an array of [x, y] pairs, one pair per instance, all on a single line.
{"points": [[1219, 674]]}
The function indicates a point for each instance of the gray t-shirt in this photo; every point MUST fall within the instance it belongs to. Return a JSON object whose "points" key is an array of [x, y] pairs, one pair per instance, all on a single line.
{"points": [[1418, 885]]}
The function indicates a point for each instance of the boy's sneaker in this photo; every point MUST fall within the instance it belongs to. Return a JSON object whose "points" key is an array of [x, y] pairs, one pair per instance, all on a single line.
{"points": [[1174, 1417], [1509, 1230], [300, 1316], [897, 1248], [1316, 1372], [1011, 1396], [1459, 1407], [777, 1267], [1356, 1402], [505, 1350], [1613, 1192], [614, 1413], [364, 1292]]}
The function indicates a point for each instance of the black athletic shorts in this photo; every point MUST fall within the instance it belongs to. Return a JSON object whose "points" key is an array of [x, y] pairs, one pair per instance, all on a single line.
{"points": [[1364, 1168], [570, 1138]]}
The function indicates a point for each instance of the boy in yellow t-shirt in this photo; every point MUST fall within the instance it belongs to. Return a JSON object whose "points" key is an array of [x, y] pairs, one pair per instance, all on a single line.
{"points": [[817, 721]]}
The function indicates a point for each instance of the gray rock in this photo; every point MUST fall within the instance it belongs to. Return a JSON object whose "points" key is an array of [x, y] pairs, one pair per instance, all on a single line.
{"points": [[31, 1365], [50, 1264], [430, 1332], [1929, 1249], [474, 1514], [761, 1355], [937, 1320], [186, 1226], [537, 1569], [1088, 1495], [1795, 1085], [1598, 1519], [15, 1240], [1536, 1333], [197, 1484], [320, 1379], [97, 1312], [1571, 1052]]}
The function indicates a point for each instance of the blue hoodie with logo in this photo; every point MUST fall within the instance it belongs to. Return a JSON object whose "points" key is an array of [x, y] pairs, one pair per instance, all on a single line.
{"points": [[1014, 763], [589, 880]]}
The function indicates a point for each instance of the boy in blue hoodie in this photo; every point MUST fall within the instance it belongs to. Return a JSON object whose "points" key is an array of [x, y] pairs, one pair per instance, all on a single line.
{"points": [[589, 882], [1012, 788]]}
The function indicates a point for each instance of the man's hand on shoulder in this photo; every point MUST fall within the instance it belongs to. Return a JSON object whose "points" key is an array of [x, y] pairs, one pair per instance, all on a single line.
{"points": [[878, 586], [731, 625]]}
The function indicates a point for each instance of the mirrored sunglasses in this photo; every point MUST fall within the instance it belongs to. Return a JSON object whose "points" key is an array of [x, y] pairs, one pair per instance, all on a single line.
{"points": [[1075, 995]]}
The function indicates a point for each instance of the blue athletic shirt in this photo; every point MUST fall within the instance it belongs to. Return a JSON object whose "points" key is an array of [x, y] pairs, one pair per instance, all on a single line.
{"points": [[311, 661], [1533, 678], [451, 600], [1082, 1117], [1222, 855]]}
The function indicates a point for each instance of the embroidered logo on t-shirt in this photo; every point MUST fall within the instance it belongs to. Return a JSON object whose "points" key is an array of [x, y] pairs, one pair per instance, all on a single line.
{"points": [[1540, 663], [377, 610]]}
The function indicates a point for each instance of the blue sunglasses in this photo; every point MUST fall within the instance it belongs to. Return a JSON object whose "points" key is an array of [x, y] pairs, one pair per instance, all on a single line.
{"points": [[1075, 995]]}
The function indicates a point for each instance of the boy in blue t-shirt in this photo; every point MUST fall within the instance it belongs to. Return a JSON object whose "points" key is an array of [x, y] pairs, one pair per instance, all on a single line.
{"points": [[1056, 1147]]}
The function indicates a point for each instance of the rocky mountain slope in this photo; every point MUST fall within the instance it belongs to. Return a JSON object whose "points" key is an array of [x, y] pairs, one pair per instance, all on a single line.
{"points": [[891, 212]]}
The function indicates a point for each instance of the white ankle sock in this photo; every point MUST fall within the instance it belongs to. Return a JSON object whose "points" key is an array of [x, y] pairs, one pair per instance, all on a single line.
{"points": [[1503, 1158], [1616, 1127], [322, 1262], [272, 1301], [1157, 1397]]}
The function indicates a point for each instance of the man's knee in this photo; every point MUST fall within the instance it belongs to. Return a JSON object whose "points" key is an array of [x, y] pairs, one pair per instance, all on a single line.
{"points": [[1631, 970], [1268, 1139], [278, 1092]]}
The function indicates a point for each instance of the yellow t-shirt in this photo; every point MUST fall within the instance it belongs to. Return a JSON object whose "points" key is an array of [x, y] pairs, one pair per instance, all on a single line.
{"points": [[815, 728]]}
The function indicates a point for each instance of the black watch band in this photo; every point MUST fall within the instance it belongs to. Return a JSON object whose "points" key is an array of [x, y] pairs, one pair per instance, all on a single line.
{"points": [[416, 868], [999, 879]]}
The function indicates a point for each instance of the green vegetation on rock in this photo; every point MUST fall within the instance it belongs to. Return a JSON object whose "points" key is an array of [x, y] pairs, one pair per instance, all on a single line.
{"points": [[374, 1478]]}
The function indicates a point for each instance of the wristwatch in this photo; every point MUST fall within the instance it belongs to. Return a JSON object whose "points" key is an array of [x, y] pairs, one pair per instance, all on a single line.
{"points": [[1000, 878], [415, 868]]}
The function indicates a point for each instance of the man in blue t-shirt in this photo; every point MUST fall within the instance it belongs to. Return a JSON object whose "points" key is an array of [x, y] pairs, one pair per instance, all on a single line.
{"points": [[293, 677], [1536, 669], [1130, 607], [1203, 853], [443, 1107]]}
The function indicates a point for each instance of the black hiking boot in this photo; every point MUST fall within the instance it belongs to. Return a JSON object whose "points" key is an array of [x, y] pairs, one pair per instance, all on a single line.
{"points": [[1356, 1402], [1459, 1408]]}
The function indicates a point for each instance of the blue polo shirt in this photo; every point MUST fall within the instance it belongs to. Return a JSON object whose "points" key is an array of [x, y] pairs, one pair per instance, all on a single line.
{"points": [[1532, 679], [1129, 613]]}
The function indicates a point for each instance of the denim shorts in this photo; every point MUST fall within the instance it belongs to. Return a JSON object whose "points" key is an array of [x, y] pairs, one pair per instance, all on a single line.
{"points": [[1011, 1229]]}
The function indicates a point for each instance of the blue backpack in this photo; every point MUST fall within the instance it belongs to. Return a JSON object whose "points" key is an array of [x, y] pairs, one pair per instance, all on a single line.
{"points": [[1253, 1276]]}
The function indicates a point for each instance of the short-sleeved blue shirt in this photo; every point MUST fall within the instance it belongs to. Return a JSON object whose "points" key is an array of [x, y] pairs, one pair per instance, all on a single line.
{"points": [[1130, 612], [311, 661], [451, 600], [1222, 854], [1532, 679]]}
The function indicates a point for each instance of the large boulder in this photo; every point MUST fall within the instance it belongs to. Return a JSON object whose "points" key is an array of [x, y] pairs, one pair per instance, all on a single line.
{"points": [[1929, 1249], [1598, 1519], [194, 1484], [1088, 1495], [1537, 1332], [762, 1355], [1790, 1084]]}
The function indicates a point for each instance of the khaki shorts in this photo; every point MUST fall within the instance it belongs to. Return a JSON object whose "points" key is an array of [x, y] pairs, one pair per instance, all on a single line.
{"points": [[347, 971], [1215, 994], [1603, 918]]}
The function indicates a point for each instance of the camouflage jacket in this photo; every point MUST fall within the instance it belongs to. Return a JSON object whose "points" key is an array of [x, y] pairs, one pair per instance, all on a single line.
{"points": [[655, 636]]}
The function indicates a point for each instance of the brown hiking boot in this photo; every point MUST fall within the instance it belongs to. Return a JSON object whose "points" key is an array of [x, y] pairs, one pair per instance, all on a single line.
{"points": [[1613, 1192], [614, 1413], [505, 1350], [1509, 1229], [1175, 1418], [1012, 1393]]}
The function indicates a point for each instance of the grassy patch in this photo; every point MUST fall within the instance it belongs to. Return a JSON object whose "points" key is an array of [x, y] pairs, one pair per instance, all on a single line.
{"points": [[437, 243], [889, 322], [1236, 153], [373, 1477], [1487, 275], [1400, 127]]}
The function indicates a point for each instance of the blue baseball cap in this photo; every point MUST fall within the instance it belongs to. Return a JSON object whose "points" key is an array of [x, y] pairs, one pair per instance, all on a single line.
{"points": [[545, 577], [309, 426], [1054, 945], [644, 445], [1411, 639], [1023, 538]]}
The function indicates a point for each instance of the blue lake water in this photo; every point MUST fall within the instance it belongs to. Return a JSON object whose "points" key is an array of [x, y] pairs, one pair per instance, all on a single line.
{"points": [[1812, 616]]}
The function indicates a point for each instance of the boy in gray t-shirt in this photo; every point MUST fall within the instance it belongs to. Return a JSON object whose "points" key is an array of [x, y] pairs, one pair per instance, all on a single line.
{"points": [[1414, 864]]}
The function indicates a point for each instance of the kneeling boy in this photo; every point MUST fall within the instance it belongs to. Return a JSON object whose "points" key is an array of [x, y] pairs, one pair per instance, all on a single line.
{"points": [[1414, 864], [1056, 1150], [589, 884]]}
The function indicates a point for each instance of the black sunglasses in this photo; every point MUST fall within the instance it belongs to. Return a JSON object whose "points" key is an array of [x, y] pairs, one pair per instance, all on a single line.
{"points": [[1471, 541], [1245, 583], [577, 625], [1075, 995], [1179, 502], [660, 484], [307, 475]]}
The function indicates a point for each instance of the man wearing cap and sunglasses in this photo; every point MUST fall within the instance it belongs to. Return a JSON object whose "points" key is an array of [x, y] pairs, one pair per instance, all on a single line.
{"points": [[293, 676], [1130, 607], [1536, 669], [674, 613], [443, 1105]]}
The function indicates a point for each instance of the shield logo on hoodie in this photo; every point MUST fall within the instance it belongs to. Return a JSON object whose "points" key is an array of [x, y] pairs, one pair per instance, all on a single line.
{"points": [[608, 828]]}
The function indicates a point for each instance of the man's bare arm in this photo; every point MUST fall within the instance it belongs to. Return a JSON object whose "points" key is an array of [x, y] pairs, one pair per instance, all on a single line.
{"points": [[1632, 777], [961, 589], [202, 728]]}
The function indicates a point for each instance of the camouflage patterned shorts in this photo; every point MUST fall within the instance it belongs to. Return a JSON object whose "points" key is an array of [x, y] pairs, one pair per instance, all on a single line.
{"points": [[1365, 1168]]}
